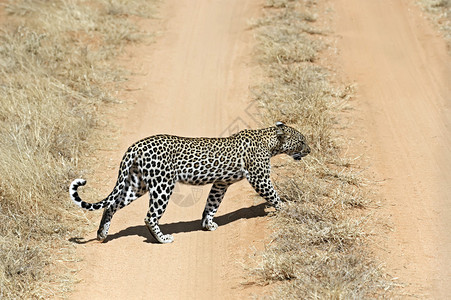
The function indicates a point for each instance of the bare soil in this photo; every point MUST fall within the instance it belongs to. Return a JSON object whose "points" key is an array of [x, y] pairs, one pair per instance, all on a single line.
{"points": [[403, 75]]}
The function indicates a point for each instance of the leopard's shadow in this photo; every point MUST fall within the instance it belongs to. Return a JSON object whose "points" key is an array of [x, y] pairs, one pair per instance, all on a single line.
{"points": [[187, 226]]}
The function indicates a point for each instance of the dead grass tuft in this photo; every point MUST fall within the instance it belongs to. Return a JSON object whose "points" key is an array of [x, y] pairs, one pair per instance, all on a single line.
{"points": [[318, 249], [55, 65], [278, 43]]}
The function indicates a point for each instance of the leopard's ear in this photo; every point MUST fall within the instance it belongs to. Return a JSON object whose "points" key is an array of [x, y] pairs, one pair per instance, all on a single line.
{"points": [[279, 126]]}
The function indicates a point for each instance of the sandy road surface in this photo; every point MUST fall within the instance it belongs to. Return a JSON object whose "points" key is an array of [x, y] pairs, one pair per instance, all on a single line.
{"points": [[194, 81], [403, 74]]}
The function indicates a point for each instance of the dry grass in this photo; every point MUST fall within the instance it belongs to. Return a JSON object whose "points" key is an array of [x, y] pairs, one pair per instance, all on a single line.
{"points": [[318, 249], [440, 12], [55, 65]]}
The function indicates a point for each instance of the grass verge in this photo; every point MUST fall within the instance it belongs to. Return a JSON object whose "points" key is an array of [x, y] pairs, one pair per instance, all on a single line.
{"points": [[318, 248], [56, 68]]}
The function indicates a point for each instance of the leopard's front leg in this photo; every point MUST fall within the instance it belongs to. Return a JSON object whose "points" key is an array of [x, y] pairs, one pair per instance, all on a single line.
{"points": [[259, 178]]}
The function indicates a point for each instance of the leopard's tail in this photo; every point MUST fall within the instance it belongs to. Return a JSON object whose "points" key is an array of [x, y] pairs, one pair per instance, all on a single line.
{"points": [[77, 200]]}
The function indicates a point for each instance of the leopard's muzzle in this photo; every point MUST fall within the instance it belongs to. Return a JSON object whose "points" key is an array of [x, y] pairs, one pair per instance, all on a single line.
{"points": [[300, 155]]}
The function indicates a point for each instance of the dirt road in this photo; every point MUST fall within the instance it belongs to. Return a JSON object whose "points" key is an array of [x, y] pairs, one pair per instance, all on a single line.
{"points": [[403, 73], [193, 81]]}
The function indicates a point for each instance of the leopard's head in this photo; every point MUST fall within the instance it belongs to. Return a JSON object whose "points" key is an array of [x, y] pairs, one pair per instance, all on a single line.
{"points": [[291, 141]]}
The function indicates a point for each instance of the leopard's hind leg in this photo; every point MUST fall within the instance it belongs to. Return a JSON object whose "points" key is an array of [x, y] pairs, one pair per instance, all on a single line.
{"points": [[159, 198], [104, 226], [215, 197], [132, 188]]}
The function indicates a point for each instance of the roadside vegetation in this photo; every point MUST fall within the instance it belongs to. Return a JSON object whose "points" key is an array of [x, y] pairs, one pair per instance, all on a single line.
{"points": [[440, 13], [56, 72], [318, 249]]}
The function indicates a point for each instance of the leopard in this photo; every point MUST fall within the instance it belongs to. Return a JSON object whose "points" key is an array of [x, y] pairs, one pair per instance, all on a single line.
{"points": [[156, 163]]}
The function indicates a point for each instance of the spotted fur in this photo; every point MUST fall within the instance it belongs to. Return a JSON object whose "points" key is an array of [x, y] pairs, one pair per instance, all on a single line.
{"points": [[156, 163]]}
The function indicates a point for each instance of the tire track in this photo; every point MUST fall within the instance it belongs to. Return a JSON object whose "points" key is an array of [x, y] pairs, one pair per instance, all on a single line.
{"points": [[195, 83], [403, 72]]}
